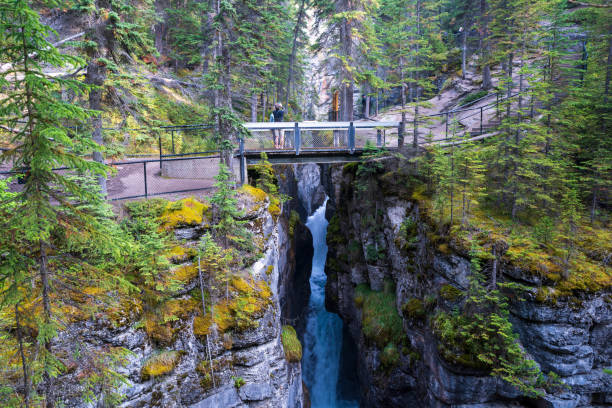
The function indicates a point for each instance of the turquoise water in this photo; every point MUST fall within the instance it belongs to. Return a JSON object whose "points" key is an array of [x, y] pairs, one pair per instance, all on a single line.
{"points": [[323, 335]]}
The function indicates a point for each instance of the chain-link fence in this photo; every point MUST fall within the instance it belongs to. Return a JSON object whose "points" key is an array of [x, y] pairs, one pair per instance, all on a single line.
{"points": [[145, 178]]}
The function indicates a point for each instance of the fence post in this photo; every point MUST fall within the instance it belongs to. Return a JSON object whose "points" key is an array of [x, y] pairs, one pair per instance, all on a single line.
{"points": [[160, 150], [351, 138], [172, 132], [481, 120], [145, 178], [242, 163], [297, 136], [378, 137]]}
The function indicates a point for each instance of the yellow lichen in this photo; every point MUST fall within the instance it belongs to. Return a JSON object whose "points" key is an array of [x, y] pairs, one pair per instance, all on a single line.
{"points": [[185, 212], [179, 254], [160, 364], [92, 290], [184, 273], [257, 193]]}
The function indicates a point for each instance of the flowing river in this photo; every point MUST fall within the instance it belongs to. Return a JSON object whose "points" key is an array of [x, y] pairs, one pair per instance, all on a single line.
{"points": [[323, 336]]}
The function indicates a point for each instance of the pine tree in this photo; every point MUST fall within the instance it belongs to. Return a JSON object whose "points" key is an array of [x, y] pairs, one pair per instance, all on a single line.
{"points": [[47, 214]]}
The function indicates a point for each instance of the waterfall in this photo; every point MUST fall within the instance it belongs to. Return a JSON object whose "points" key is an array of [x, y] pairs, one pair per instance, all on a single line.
{"points": [[323, 336]]}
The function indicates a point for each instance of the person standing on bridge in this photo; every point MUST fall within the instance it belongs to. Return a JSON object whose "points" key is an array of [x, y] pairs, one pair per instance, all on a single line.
{"points": [[278, 134]]}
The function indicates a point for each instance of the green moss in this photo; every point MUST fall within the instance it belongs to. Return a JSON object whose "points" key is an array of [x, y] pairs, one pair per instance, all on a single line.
{"points": [[381, 324], [247, 304], [390, 356], [451, 293], [150, 208], [160, 364], [414, 309], [291, 344], [294, 220], [334, 235]]}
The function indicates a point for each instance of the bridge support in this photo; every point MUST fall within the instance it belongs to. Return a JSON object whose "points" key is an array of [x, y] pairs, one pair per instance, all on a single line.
{"points": [[243, 166], [351, 138], [298, 138]]}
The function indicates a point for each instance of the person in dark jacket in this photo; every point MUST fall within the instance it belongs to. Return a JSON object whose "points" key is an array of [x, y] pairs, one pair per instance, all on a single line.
{"points": [[279, 134]]}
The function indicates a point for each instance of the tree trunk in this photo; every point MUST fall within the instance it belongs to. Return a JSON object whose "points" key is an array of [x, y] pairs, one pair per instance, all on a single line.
{"points": [[400, 140], [161, 26], [296, 32], [484, 47], [253, 107], [417, 64], [26, 379], [96, 75], [43, 271]]}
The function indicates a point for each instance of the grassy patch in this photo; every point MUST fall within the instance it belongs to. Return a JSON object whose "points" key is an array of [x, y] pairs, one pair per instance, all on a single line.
{"points": [[160, 364], [291, 344], [381, 323]]}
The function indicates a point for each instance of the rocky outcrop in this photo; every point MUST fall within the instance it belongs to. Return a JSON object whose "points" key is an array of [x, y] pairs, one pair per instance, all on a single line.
{"points": [[371, 260], [234, 368]]}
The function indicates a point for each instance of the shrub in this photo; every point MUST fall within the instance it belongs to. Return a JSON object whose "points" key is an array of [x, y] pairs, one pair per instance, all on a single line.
{"points": [[472, 97], [291, 344]]}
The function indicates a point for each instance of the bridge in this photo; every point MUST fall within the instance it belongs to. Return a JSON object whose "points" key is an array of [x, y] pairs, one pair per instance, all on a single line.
{"points": [[170, 172]]}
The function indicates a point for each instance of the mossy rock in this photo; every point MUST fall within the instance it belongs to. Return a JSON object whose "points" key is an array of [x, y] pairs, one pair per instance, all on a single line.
{"points": [[160, 364], [291, 344], [185, 212], [247, 304], [294, 220], [451, 293], [414, 309], [257, 194], [184, 273], [381, 324], [159, 324], [178, 254], [389, 356]]}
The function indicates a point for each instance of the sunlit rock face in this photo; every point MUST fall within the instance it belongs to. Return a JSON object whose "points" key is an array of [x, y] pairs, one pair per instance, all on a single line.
{"points": [[184, 362], [374, 273]]}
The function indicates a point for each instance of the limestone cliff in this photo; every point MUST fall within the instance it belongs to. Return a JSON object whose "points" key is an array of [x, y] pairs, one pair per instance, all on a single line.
{"points": [[179, 358], [389, 274]]}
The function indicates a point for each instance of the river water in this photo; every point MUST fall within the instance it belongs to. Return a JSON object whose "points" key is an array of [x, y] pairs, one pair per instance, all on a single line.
{"points": [[323, 336]]}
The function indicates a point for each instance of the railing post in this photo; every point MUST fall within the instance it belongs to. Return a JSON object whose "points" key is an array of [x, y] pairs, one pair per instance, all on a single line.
{"points": [[378, 137], [481, 120], [242, 162], [298, 139], [172, 132], [351, 138], [145, 178]]}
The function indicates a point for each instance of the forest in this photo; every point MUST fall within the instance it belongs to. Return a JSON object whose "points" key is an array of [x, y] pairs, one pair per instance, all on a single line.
{"points": [[84, 82]]}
